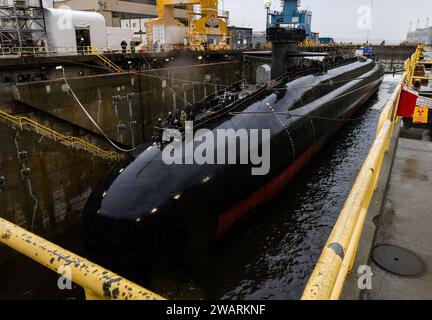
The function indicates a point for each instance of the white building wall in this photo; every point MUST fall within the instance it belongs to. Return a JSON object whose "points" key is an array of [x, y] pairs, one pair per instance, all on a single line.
{"points": [[61, 25], [116, 35]]}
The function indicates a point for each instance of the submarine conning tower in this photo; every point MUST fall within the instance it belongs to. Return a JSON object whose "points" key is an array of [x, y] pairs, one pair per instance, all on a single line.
{"points": [[284, 41]]}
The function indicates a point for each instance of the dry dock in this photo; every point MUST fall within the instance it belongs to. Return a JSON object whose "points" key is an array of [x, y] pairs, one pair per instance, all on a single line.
{"points": [[288, 235]]}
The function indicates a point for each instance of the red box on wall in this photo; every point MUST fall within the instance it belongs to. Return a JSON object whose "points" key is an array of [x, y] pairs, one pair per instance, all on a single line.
{"points": [[407, 103]]}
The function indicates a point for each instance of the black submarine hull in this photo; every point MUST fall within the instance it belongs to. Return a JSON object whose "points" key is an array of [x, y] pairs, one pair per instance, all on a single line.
{"points": [[146, 209]]}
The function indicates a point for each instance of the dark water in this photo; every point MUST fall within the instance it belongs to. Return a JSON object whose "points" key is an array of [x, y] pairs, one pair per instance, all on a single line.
{"points": [[271, 256]]}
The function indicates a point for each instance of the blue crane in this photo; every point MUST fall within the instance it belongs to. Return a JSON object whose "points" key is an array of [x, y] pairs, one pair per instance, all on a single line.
{"points": [[291, 16]]}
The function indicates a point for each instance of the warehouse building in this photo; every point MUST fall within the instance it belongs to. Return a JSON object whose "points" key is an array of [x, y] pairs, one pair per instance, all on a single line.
{"points": [[420, 36], [131, 14], [240, 38]]}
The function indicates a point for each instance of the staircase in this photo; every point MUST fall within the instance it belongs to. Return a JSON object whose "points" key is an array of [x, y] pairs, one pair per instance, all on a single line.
{"points": [[107, 62], [25, 123]]}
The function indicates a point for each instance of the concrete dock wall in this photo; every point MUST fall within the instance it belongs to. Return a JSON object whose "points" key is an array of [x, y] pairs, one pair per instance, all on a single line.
{"points": [[50, 199], [394, 52], [117, 101]]}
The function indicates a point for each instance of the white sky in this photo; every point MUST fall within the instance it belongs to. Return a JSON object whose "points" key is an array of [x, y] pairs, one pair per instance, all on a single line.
{"points": [[339, 18]]}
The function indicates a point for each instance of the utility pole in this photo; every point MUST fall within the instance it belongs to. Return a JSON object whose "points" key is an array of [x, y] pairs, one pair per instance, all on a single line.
{"points": [[369, 29]]}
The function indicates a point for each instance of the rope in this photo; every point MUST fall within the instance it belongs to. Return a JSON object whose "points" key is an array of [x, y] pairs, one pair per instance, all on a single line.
{"points": [[94, 122], [161, 80]]}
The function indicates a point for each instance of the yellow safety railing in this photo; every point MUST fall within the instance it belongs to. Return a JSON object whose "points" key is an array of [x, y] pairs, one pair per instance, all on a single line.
{"points": [[111, 65], [412, 63], [73, 142], [98, 283], [338, 256], [46, 51]]}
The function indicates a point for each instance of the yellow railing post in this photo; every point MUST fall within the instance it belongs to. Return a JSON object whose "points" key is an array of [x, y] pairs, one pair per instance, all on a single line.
{"points": [[97, 282], [332, 268], [58, 137]]}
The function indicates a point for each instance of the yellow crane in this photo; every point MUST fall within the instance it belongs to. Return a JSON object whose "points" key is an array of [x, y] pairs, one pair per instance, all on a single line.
{"points": [[206, 28]]}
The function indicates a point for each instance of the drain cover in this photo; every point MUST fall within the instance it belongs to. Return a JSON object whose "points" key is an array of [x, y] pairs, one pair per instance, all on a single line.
{"points": [[398, 260]]}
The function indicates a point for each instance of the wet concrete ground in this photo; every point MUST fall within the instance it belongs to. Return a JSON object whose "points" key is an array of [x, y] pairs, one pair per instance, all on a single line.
{"points": [[406, 224], [271, 256]]}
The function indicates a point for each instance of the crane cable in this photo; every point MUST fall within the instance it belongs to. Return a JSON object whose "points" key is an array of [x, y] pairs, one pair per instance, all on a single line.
{"points": [[140, 73], [221, 85], [94, 122], [162, 81]]}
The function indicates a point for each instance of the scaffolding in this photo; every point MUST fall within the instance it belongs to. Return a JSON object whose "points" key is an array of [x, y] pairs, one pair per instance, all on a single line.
{"points": [[22, 23]]}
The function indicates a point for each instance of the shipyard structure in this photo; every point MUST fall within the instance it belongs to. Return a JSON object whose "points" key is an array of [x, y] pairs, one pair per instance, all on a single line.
{"points": [[87, 97], [420, 35]]}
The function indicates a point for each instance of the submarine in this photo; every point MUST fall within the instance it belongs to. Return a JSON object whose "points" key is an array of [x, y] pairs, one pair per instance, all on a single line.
{"points": [[145, 209]]}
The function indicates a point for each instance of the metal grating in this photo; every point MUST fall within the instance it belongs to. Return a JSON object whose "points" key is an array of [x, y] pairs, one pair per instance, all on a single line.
{"points": [[22, 23]]}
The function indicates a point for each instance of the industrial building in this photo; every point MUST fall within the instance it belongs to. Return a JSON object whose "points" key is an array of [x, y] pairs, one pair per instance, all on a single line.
{"points": [[131, 14], [240, 38], [259, 39], [420, 36], [97, 26], [151, 159], [118, 13], [135, 15], [88, 26], [22, 23]]}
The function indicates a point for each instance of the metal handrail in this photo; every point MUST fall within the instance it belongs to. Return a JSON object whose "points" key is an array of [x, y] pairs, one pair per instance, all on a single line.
{"points": [[338, 256], [412, 63], [73, 142], [26, 3], [98, 283], [59, 51], [111, 65]]}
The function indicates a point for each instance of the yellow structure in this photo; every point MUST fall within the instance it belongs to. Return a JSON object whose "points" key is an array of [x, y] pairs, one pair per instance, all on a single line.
{"points": [[412, 64], [23, 123], [98, 283], [207, 27]]}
